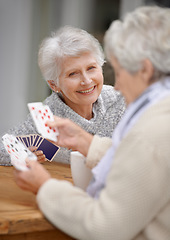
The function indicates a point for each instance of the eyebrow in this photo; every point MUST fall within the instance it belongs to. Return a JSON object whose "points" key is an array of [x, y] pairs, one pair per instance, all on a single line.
{"points": [[75, 69]]}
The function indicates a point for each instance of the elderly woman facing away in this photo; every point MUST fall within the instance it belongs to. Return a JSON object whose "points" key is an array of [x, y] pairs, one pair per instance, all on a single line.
{"points": [[129, 195], [71, 62]]}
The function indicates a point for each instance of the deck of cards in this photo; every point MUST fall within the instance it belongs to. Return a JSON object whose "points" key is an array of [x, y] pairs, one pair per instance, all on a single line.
{"points": [[17, 146], [41, 114], [48, 148], [18, 152]]}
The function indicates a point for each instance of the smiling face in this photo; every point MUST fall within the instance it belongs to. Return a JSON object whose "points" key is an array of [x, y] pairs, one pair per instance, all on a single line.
{"points": [[80, 82]]}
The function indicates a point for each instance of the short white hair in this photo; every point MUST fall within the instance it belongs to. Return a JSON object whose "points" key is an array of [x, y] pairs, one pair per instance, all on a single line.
{"points": [[144, 34], [68, 41]]}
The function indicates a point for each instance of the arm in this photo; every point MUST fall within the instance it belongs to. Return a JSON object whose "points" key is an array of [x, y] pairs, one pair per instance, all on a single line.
{"points": [[136, 191], [71, 136], [97, 149], [129, 201], [74, 137]]}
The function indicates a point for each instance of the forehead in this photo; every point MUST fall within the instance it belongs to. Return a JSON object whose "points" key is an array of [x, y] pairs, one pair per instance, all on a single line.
{"points": [[82, 59]]}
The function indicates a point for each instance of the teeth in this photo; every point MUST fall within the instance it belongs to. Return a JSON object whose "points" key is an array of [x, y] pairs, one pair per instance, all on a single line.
{"points": [[87, 91]]}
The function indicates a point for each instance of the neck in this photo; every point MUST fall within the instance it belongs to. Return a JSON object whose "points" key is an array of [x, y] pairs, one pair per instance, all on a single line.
{"points": [[85, 112]]}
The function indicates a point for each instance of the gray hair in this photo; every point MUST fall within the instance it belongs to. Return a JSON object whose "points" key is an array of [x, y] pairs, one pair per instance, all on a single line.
{"points": [[66, 42], [144, 34]]}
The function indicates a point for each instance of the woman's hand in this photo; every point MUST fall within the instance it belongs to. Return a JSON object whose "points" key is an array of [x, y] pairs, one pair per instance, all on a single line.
{"points": [[40, 155], [71, 135], [32, 179]]}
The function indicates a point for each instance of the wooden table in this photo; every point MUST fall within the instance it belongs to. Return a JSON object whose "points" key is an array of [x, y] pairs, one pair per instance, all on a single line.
{"points": [[20, 217]]}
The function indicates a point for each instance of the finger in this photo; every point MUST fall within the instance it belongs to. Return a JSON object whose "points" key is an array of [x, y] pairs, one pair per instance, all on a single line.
{"points": [[31, 164], [40, 156], [39, 153], [58, 122], [19, 177], [32, 148], [42, 159], [16, 173], [57, 118], [51, 124]]}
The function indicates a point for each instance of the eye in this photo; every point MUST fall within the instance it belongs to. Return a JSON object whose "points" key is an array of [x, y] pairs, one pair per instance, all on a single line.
{"points": [[91, 67], [72, 74]]}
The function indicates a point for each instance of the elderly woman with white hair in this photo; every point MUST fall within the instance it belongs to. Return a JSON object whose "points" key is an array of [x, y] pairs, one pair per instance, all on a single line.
{"points": [[129, 195], [71, 62]]}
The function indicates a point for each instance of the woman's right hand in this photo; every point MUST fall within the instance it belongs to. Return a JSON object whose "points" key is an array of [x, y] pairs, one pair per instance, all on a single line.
{"points": [[71, 135]]}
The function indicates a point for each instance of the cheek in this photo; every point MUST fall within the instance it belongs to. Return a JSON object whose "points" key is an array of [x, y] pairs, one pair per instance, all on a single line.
{"points": [[118, 83], [99, 82], [66, 86], [116, 86], [100, 78]]}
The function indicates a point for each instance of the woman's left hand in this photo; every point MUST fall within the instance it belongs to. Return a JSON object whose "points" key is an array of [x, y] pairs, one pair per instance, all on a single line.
{"points": [[32, 179], [39, 154]]}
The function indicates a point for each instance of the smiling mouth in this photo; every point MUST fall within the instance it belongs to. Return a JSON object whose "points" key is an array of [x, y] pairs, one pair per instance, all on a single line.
{"points": [[88, 90]]}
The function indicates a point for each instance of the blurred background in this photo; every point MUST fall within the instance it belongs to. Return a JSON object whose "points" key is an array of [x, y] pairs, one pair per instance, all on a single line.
{"points": [[24, 24]]}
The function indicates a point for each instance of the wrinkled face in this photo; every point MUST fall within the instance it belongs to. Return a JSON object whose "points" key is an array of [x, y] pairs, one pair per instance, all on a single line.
{"points": [[130, 85], [81, 80]]}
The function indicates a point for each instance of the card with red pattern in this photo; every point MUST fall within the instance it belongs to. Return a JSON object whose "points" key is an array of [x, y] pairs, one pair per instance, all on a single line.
{"points": [[41, 114]]}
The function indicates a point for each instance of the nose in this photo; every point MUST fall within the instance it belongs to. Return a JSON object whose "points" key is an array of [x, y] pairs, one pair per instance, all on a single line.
{"points": [[85, 80]]}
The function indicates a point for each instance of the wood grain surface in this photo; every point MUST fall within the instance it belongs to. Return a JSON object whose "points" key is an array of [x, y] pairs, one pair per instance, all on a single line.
{"points": [[20, 217]]}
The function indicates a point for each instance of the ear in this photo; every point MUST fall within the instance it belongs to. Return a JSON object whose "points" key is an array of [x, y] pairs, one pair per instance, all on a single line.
{"points": [[53, 86], [147, 71]]}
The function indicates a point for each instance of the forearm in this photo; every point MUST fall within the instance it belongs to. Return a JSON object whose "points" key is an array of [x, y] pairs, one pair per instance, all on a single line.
{"points": [[84, 142], [97, 149]]}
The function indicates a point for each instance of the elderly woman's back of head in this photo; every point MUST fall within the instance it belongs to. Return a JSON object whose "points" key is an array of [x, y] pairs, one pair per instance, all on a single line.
{"points": [[143, 34], [68, 41]]}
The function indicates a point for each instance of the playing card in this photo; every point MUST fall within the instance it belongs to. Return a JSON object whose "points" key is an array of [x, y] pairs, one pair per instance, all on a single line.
{"points": [[38, 141], [48, 148], [41, 114], [17, 151]]}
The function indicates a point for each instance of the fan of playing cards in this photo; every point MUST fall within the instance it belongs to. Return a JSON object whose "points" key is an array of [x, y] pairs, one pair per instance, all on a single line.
{"points": [[17, 151], [40, 114], [48, 148]]}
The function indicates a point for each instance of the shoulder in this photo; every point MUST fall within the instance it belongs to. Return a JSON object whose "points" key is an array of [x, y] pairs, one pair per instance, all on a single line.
{"points": [[54, 102], [153, 124], [109, 92], [157, 115], [50, 99], [110, 97]]}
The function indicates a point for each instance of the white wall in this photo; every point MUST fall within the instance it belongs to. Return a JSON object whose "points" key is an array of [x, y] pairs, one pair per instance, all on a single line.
{"points": [[15, 29], [23, 25], [129, 5], [78, 13]]}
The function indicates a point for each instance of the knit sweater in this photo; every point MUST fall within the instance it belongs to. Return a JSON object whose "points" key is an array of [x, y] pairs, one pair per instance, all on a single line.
{"points": [[135, 202], [107, 112]]}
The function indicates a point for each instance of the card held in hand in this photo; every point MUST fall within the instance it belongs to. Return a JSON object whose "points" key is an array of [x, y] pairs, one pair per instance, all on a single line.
{"points": [[41, 114], [18, 152], [48, 148]]}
